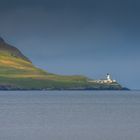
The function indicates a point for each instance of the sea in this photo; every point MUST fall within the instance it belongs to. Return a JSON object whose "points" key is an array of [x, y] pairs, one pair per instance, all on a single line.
{"points": [[69, 115]]}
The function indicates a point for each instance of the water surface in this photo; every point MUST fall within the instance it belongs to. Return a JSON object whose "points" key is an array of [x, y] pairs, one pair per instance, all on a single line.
{"points": [[70, 115]]}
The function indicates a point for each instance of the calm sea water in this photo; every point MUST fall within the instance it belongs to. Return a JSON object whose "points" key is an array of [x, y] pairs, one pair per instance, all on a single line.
{"points": [[70, 115]]}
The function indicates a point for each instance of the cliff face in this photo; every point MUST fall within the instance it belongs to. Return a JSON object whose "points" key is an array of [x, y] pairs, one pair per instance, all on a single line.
{"points": [[18, 72]]}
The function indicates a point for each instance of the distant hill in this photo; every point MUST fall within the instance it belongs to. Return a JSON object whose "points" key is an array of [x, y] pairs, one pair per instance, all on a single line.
{"points": [[18, 73]]}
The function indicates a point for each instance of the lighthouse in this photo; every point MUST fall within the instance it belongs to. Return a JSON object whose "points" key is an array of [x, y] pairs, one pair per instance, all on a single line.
{"points": [[107, 80], [108, 77]]}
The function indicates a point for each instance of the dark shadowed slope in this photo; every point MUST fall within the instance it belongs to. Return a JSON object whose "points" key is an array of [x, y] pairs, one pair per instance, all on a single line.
{"points": [[13, 51]]}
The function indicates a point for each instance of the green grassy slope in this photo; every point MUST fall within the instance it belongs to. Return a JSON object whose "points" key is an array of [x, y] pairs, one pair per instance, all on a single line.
{"points": [[17, 72], [20, 73]]}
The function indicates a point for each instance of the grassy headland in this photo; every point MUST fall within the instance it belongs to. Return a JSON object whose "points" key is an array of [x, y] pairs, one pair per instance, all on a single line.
{"points": [[18, 72]]}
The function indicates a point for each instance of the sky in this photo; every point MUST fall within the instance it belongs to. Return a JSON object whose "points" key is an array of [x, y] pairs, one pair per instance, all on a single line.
{"points": [[70, 37]]}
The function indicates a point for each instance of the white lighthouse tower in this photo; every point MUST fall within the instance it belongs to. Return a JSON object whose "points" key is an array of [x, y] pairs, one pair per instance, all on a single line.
{"points": [[108, 77]]}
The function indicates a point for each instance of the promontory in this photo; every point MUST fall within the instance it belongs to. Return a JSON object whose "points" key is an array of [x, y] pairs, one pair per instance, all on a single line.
{"points": [[17, 72]]}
